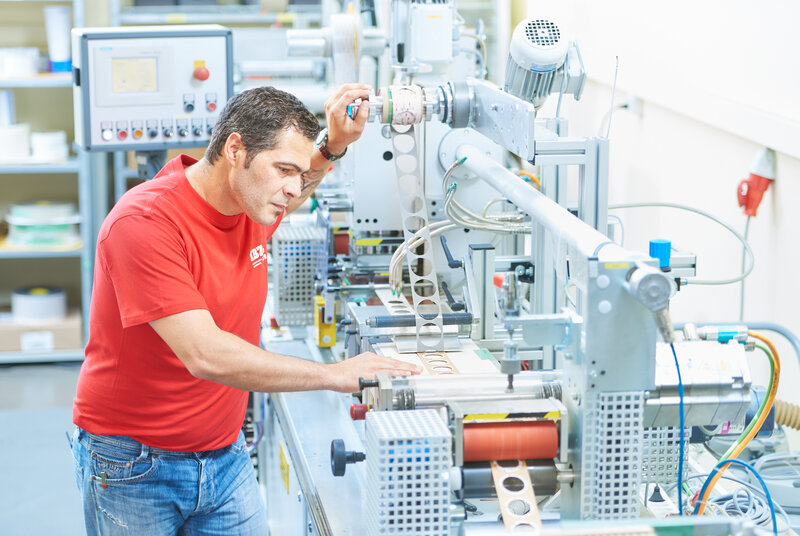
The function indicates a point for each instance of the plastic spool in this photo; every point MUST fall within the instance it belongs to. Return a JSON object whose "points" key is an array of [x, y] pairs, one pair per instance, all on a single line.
{"points": [[344, 44], [421, 267], [38, 305], [531, 440], [15, 142], [43, 223], [403, 105], [49, 146]]}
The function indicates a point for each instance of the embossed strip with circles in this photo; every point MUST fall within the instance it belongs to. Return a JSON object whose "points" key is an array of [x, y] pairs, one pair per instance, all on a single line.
{"points": [[437, 363], [515, 494], [421, 268]]}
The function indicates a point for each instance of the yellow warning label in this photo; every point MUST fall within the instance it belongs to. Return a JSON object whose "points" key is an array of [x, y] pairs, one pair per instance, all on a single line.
{"points": [[284, 469], [617, 265], [553, 415], [369, 241], [485, 416], [176, 18], [199, 63]]}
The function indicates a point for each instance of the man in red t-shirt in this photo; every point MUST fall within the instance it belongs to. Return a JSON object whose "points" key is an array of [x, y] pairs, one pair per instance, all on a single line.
{"points": [[179, 286]]}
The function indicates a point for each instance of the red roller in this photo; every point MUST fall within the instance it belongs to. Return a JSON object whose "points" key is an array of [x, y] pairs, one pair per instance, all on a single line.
{"points": [[510, 441], [341, 243]]}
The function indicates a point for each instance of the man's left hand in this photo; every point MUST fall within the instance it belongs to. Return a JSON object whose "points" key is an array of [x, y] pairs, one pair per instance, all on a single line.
{"points": [[342, 131]]}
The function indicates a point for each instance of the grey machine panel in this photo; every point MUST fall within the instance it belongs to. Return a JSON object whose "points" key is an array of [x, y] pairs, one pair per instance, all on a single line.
{"points": [[149, 88]]}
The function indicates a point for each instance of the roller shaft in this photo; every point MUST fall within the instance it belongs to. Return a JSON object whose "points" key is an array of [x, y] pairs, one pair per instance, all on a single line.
{"points": [[478, 482]]}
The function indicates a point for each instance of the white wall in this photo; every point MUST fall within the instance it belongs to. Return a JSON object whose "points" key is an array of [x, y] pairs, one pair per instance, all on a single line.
{"points": [[718, 81]]}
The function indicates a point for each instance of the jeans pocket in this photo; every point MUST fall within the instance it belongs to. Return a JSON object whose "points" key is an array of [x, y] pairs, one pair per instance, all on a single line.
{"points": [[108, 467], [239, 445]]}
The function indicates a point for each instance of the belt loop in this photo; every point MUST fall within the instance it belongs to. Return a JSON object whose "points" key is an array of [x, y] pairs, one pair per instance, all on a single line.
{"points": [[145, 451]]}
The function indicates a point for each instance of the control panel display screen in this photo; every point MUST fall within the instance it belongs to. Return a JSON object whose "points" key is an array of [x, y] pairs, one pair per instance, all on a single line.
{"points": [[134, 75]]}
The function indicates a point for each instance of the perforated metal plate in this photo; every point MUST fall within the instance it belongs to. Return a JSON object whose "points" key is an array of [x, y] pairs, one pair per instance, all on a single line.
{"points": [[299, 252], [612, 455], [660, 448], [408, 459]]}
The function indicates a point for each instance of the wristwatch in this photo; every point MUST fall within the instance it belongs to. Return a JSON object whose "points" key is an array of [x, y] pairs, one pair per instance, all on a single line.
{"points": [[322, 145]]}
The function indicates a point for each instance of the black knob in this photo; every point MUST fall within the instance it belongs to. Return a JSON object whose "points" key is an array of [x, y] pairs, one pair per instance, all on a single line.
{"points": [[210, 129], [188, 106], [363, 384], [152, 132], [197, 131], [340, 457], [167, 132], [183, 132]]}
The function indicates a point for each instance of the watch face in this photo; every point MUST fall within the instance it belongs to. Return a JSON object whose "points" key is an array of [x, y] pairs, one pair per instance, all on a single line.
{"points": [[322, 137]]}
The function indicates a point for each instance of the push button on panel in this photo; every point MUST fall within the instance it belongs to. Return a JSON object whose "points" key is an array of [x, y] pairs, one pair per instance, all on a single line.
{"points": [[211, 101], [122, 130], [188, 103], [201, 73]]}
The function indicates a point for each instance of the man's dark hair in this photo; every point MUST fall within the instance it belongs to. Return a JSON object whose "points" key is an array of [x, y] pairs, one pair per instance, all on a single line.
{"points": [[259, 115]]}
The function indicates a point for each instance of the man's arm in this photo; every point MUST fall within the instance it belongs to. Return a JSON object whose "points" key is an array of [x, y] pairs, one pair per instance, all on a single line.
{"points": [[342, 131], [212, 354]]}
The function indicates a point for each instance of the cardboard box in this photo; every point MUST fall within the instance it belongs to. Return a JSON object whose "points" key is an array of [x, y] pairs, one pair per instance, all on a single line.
{"points": [[66, 334]]}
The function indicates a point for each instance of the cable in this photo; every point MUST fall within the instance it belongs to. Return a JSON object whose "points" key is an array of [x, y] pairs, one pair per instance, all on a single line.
{"points": [[741, 292], [754, 426], [742, 503], [779, 509], [505, 224], [532, 177], [733, 231], [761, 326], [682, 428], [613, 94], [490, 203], [482, 46], [714, 476], [621, 229]]}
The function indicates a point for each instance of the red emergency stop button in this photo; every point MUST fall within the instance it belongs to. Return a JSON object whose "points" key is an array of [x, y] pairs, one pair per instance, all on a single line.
{"points": [[358, 412], [201, 73], [211, 106]]}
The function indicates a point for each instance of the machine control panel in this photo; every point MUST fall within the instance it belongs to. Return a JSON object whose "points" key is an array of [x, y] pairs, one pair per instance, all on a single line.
{"points": [[150, 88]]}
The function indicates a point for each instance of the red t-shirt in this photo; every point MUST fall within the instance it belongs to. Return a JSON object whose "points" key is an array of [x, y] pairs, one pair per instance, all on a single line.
{"points": [[163, 250]]}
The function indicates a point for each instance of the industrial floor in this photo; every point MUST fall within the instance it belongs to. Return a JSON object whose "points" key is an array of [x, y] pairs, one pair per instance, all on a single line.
{"points": [[37, 486]]}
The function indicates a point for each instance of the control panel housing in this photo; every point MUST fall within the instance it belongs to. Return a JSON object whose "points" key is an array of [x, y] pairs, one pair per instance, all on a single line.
{"points": [[151, 87]]}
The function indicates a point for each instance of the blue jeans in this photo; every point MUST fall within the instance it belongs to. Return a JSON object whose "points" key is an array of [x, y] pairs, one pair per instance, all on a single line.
{"points": [[130, 488]]}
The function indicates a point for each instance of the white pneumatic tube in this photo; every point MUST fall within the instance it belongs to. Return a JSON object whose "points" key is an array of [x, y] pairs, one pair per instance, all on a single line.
{"points": [[542, 210]]}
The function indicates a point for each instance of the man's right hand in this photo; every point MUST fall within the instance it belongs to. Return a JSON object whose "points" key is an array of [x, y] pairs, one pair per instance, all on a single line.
{"points": [[367, 365]]}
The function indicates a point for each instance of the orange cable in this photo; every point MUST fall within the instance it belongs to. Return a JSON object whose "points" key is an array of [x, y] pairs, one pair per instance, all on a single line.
{"points": [[532, 177], [776, 372]]}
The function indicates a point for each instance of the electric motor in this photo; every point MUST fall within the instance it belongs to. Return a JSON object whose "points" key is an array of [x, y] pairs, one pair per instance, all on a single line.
{"points": [[537, 52]]}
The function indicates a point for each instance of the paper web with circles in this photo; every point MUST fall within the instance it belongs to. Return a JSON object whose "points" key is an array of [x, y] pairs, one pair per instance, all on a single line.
{"points": [[421, 268]]}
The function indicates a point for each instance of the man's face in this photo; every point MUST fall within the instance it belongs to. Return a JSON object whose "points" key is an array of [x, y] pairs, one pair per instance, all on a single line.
{"points": [[273, 178]]}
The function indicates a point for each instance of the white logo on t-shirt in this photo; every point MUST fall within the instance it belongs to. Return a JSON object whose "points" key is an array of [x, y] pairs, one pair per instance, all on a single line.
{"points": [[258, 256]]}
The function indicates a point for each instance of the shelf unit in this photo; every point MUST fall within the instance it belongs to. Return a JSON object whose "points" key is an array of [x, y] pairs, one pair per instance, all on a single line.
{"points": [[77, 168], [208, 14]]}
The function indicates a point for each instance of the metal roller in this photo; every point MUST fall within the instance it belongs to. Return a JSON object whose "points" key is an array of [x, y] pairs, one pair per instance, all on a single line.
{"points": [[478, 483], [408, 321], [433, 390]]}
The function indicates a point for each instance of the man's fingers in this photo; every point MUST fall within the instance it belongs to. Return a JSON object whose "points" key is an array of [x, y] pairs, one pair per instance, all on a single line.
{"points": [[341, 102]]}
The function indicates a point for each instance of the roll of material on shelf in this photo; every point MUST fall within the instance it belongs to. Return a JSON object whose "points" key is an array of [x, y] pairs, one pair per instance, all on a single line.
{"points": [[38, 304], [536, 440]]}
